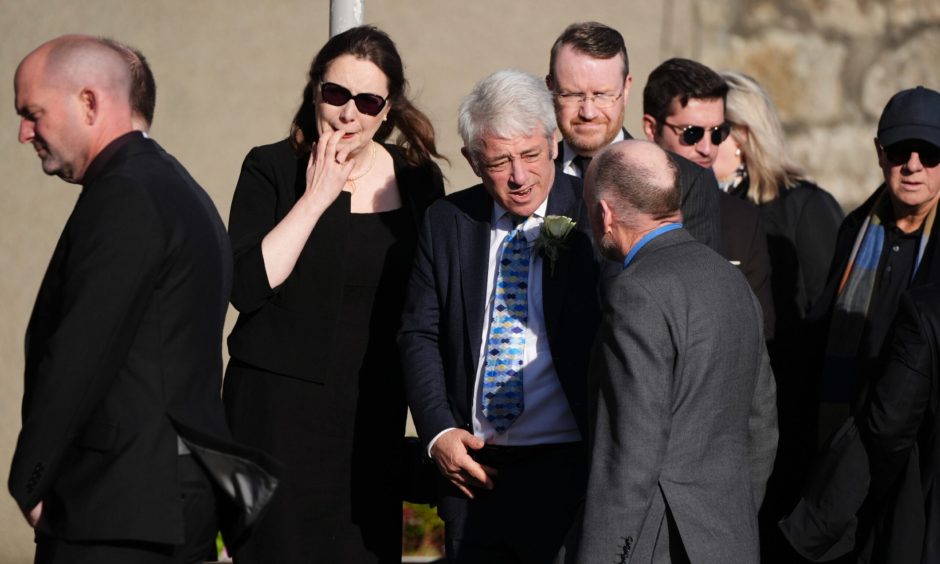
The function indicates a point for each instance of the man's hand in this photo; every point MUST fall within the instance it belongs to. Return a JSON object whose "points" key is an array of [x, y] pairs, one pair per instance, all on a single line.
{"points": [[450, 452], [34, 515]]}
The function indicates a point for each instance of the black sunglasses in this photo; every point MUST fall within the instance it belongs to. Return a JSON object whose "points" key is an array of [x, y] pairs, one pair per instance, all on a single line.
{"points": [[900, 153], [692, 134], [336, 95]]}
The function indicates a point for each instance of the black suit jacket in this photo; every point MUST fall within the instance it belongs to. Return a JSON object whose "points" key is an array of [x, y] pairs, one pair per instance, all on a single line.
{"points": [[123, 352], [901, 431], [929, 267], [873, 493], [443, 319], [699, 205], [744, 243], [869, 361], [289, 329]]}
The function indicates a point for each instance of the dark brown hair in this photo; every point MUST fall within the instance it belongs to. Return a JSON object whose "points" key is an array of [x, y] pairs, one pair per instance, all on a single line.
{"points": [[371, 44], [684, 79], [143, 96], [594, 39]]}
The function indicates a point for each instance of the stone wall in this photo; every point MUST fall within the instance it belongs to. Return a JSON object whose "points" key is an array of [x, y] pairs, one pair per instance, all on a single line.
{"points": [[830, 65]]}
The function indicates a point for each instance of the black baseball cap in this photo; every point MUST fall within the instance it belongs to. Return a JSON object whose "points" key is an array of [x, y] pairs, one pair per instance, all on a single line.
{"points": [[911, 114]]}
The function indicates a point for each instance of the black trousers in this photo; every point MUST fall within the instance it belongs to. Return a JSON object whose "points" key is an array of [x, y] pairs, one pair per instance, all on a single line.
{"points": [[200, 528], [527, 515]]}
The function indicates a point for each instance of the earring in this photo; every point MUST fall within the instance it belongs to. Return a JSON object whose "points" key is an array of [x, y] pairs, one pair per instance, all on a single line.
{"points": [[737, 152]]}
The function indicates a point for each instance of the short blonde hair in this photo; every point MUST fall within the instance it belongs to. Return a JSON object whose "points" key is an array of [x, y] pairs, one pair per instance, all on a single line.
{"points": [[757, 130]]}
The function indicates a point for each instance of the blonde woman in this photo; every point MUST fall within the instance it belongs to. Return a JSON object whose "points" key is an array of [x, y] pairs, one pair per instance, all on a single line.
{"points": [[801, 220]]}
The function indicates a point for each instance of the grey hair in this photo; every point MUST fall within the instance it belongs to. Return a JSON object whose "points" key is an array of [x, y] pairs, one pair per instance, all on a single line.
{"points": [[508, 103], [770, 168]]}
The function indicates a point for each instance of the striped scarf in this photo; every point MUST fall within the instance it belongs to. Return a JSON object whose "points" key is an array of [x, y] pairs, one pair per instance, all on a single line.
{"points": [[850, 312]]}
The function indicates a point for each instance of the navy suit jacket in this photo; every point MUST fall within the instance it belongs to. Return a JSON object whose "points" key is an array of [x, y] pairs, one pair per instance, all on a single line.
{"points": [[443, 319]]}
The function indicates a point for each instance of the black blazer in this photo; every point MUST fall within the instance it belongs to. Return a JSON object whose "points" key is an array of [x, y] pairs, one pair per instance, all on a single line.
{"points": [[443, 320], [901, 431], [699, 205], [744, 243], [801, 224], [821, 313], [124, 351], [874, 491], [929, 267], [289, 329]]}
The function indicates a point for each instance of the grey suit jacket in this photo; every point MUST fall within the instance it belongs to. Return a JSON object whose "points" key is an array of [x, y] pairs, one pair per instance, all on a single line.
{"points": [[682, 410]]}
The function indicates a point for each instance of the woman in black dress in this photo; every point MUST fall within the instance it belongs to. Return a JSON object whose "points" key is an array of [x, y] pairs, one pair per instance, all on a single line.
{"points": [[323, 228], [801, 220]]}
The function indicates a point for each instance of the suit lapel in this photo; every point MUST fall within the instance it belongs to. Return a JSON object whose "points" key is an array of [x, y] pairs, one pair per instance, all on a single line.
{"points": [[561, 201], [473, 246]]}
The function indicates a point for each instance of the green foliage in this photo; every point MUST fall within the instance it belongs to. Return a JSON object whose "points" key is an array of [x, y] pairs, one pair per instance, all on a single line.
{"points": [[422, 531]]}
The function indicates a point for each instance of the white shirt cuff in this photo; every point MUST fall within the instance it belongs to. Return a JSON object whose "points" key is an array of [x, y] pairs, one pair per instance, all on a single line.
{"points": [[437, 436]]}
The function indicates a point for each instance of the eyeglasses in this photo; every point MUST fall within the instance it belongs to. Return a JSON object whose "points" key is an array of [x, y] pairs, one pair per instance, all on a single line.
{"points": [[900, 153], [336, 95], [692, 134], [601, 101]]}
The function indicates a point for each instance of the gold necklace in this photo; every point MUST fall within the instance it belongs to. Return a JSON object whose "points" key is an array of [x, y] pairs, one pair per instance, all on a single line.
{"points": [[352, 179]]}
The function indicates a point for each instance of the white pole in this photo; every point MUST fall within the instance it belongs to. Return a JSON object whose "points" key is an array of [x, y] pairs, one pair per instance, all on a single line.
{"points": [[345, 14]]}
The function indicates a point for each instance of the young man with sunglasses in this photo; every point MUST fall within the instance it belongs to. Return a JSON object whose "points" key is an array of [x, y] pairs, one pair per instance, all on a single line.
{"points": [[589, 76], [684, 112]]}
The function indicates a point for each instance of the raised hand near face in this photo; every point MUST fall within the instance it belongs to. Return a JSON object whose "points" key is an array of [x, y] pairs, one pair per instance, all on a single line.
{"points": [[328, 169]]}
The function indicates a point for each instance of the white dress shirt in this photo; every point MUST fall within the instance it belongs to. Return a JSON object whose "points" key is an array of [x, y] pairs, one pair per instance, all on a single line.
{"points": [[547, 417], [568, 154]]}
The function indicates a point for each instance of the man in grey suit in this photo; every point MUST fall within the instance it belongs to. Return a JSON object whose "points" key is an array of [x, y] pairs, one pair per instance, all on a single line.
{"points": [[682, 415]]}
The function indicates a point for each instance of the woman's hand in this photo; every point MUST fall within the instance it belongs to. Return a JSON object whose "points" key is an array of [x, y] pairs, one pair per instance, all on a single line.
{"points": [[327, 170]]}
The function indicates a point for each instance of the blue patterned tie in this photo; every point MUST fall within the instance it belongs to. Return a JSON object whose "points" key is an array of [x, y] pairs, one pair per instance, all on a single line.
{"points": [[502, 372]]}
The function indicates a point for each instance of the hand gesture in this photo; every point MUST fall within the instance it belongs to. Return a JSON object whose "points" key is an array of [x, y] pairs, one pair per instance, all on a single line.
{"points": [[34, 515], [450, 452], [327, 170]]}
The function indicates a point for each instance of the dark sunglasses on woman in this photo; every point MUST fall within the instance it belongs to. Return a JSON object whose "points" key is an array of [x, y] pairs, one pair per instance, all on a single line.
{"points": [[900, 153], [692, 134], [336, 95]]}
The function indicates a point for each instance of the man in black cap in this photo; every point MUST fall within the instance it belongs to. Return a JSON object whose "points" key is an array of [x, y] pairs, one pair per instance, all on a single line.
{"points": [[884, 247], [867, 493]]}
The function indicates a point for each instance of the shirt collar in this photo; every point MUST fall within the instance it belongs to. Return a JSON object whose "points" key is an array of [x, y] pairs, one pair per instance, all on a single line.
{"points": [[647, 238], [568, 153], [503, 219]]}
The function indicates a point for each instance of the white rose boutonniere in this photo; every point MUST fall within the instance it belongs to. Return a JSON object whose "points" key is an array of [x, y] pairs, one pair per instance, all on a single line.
{"points": [[552, 235]]}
